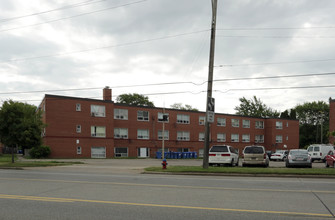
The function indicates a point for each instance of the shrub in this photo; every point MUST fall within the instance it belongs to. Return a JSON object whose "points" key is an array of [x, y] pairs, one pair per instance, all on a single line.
{"points": [[40, 152]]}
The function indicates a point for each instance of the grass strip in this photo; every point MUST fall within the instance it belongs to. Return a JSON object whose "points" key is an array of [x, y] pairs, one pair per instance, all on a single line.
{"points": [[244, 170]]}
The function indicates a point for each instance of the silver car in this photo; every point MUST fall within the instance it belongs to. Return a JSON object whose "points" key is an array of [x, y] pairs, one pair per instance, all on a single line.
{"points": [[255, 155], [298, 157]]}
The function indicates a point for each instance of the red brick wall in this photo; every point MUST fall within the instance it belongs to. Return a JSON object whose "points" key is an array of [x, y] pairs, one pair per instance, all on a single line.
{"points": [[331, 119], [61, 118]]}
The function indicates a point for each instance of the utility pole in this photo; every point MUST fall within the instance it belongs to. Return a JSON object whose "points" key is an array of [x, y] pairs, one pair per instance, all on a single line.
{"points": [[210, 83]]}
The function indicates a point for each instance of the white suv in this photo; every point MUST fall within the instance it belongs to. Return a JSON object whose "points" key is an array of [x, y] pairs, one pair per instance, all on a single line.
{"points": [[223, 154]]}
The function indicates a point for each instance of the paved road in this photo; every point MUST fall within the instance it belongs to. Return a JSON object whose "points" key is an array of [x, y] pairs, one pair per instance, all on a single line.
{"points": [[115, 189]]}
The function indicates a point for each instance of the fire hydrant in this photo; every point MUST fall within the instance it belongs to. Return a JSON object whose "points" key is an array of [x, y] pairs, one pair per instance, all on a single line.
{"points": [[164, 164]]}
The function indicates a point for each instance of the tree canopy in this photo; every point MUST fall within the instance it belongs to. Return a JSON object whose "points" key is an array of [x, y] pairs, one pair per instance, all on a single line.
{"points": [[314, 122], [254, 107], [181, 107], [20, 125], [134, 99]]}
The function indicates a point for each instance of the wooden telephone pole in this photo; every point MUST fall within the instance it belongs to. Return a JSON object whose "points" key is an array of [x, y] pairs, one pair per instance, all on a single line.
{"points": [[210, 84]]}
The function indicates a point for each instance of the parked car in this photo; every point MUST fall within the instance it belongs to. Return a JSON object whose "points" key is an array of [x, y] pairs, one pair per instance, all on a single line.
{"points": [[330, 159], [319, 151], [255, 155], [223, 154], [279, 155], [298, 157]]}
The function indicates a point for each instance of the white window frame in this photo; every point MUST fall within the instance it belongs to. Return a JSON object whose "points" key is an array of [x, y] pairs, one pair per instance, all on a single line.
{"points": [[245, 138], [122, 154], [78, 107], [202, 136], [183, 135], [160, 117], [221, 137], [121, 114], [279, 125], [142, 115], [202, 120], [259, 138], [98, 111], [79, 150], [78, 128], [183, 119], [143, 134], [94, 132], [259, 124], [246, 123], [221, 122], [279, 139], [235, 138], [235, 123], [121, 133], [160, 136]]}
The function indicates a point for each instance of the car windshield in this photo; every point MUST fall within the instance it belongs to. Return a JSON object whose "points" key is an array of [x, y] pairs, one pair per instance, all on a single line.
{"points": [[300, 152], [253, 150], [219, 149], [310, 149]]}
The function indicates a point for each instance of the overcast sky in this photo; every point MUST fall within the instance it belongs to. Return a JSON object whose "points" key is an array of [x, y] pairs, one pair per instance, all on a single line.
{"points": [[160, 48]]}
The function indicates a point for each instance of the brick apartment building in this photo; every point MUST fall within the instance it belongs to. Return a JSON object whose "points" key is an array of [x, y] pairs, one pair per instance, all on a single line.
{"points": [[90, 128], [331, 119]]}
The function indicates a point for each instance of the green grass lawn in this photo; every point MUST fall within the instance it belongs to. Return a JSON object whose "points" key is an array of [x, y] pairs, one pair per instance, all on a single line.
{"points": [[245, 170], [6, 162]]}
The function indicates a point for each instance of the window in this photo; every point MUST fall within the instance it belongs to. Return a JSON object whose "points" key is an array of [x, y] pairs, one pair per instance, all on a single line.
{"points": [[259, 124], [78, 128], [98, 111], [98, 131], [120, 152], [287, 138], [287, 124], [259, 138], [121, 133], [245, 138], [221, 122], [279, 125], [279, 139], [201, 136], [142, 115], [246, 123], [183, 135], [202, 120], [163, 117], [234, 138], [142, 134], [121, 114], [78, 107], [160, 135], [183, 119], [221, 137], [78, 150], [235, 123]]}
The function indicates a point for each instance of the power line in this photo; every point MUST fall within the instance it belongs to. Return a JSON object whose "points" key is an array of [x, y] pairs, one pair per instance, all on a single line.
{"points": [[170, 83], [273, 28], [105, 47], [74, 16], [51, 10], [273, 63], [278, 37]]}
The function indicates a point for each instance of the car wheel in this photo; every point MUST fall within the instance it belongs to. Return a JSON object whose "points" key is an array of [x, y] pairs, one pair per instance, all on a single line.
{"points": [[334, 165], [287, 165], [310, 166], [326, 164], [232, 163], [236, 163]]}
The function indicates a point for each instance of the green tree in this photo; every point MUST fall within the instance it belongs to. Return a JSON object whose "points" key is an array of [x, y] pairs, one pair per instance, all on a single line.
{"points": [[181, 107], [289, 114], [314, 121], [255, 107], [134, 99], [20, 125]]}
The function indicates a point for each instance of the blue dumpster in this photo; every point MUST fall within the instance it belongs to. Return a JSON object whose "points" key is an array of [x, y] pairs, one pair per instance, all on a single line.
{"points": [[159, 155], [194, 155], [178, 155], [184, 155], [175, 155], [166, 155]]}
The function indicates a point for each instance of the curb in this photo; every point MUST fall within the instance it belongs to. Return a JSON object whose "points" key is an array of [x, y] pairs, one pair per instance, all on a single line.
{"points": [[242, 175]]}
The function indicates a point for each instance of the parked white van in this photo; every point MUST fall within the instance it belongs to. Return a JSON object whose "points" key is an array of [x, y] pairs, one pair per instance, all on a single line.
{"points": [[319, 151], [223, 154]]}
